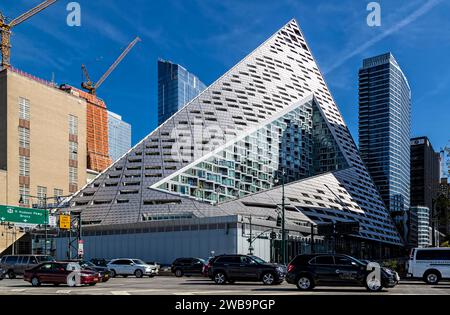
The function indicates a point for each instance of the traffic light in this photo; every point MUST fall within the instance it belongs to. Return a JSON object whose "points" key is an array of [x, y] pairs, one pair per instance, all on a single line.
{"points": [[273, 235], [279, 221]]}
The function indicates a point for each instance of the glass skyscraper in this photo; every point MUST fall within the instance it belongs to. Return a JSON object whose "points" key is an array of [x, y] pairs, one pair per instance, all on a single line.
{"points": [[119, 134], [176, 87], [385, 128]]}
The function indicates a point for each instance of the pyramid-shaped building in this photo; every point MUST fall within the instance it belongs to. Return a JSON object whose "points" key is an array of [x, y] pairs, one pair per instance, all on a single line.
{"points": [[270, 118]]}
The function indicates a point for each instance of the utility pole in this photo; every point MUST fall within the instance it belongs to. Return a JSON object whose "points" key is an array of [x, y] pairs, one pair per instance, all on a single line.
{"points": [[283, 220]]}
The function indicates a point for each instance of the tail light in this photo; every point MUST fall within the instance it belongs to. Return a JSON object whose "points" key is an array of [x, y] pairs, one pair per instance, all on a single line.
{"points": [[290, 267]]}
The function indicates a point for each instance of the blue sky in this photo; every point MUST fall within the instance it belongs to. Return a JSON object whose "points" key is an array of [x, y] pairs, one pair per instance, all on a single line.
{"points": [[208, 37]]}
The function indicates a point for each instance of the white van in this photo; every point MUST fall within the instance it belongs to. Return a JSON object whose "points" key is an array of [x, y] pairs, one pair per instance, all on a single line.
{"points": [[430, 264]]}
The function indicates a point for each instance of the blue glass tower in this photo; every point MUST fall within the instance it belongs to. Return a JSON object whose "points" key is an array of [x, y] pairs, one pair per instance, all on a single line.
{"points": [[176, 87], [385, 128], [119, 136]]}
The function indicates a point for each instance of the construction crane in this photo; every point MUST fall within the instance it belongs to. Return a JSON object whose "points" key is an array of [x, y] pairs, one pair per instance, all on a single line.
{"points": [[91, 86], [5, 29]]}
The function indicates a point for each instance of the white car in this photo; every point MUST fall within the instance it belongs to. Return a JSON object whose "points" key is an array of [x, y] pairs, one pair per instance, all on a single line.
{"points": [[127, 267], [430, 264]]}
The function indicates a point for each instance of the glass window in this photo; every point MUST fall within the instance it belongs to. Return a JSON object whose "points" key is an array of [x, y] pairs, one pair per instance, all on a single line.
{"points": [[24, 193], [323, 260], [46, 267], [32, 260], [73, 175], [73, 125], [343, 261], [229, 259], [24, 108], [11, 260], [73, 150], [433, 255], [24, 166], [42, 195], [24, 138]]}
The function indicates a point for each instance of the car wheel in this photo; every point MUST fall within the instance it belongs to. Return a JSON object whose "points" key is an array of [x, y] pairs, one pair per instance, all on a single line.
{"points": [[112, 273], [432, 277], [220, 278], [178, 273], [35, 282], [138, 273], [373, 284], [305, 283], [11, 274], [268, 278]]}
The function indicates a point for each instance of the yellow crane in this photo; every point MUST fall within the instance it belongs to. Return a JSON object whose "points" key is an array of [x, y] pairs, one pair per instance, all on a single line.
{"points": [[92, 87], [5, 29]]}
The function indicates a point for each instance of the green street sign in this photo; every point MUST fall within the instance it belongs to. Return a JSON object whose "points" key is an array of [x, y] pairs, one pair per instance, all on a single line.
{"points": [[23, 215]]}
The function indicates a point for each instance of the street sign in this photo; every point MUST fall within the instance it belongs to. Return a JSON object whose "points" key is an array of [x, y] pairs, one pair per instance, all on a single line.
{"points": [[52, 220], [64, 222], [23, 215], [80, 248]]}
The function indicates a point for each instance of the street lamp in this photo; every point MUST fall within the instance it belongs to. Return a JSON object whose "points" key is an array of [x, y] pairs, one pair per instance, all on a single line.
{"points": [[283, 218]]}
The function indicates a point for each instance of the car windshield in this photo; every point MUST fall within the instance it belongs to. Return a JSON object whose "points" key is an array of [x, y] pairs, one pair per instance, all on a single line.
{"points": [[139, 262], [258, 260], [45, 258], [87, 264]]}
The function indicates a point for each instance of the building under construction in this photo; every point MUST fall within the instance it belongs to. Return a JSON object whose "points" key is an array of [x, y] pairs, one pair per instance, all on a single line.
{"points": [[98, 158]]}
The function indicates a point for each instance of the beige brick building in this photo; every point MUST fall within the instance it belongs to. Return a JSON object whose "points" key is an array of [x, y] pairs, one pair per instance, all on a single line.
{"points": [[42, 140]]}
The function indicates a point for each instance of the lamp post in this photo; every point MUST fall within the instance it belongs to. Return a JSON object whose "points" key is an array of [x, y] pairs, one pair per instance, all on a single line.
{"points": [[283, 218]]}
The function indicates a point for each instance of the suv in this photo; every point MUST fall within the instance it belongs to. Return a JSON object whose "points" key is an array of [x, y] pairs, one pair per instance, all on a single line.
{"points": [[126, 267], [231, 268], [307, 271], [187, 267], [17, 264], [430, 264]]}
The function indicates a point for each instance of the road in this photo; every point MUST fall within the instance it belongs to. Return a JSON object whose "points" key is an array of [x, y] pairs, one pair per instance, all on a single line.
{"points": [[166, 285]]}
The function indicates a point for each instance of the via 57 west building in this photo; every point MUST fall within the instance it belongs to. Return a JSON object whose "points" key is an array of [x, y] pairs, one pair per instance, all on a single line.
{"points": [[212, 177]]}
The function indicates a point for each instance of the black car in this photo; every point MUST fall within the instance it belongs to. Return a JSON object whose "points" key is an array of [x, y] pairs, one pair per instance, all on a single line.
{"points": [[99, 262], [187, 267], [2, 274], [308, 271], [231, 268]]}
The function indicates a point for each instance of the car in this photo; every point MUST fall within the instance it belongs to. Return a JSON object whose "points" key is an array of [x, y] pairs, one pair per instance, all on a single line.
{"points": [[309, 271], [57, 273], [15, 265], [2, 274], [430, 264], [101, 262], [232, 268], [103, 272], [187, 267], [206, 267], [127, 266]]}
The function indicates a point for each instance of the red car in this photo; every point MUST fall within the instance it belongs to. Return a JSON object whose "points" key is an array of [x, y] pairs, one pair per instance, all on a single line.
{"points": [[57, 273]]}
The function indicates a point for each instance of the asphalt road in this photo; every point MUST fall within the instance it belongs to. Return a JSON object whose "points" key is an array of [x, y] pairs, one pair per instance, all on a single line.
{"points": [[166, 285]]}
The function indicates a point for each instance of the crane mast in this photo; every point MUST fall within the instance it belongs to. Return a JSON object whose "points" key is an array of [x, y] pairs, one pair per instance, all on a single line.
{"points": [[5, 30]]}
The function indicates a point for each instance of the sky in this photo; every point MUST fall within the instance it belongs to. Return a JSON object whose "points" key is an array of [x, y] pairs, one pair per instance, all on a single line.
{"points": [[208, 37]]}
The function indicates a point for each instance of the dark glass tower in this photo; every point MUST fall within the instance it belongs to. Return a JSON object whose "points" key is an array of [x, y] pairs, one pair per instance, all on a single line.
{"points": [[385, 128], [176, 87], [424, 172]]}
